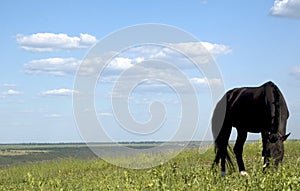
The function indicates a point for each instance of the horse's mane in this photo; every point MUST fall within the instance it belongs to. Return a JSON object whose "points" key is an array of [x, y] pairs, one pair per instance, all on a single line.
{"points": [[275, 121]]}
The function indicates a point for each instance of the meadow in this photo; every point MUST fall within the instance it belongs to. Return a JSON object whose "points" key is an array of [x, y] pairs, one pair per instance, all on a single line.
{"points": [[73, 167]]}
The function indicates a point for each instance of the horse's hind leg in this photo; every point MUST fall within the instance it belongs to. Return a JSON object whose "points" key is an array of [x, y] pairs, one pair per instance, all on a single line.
{"points": [[238, 150], [225, 134]]}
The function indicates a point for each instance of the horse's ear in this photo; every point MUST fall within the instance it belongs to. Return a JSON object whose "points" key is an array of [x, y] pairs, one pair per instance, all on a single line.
{"points": [[283, 138]]}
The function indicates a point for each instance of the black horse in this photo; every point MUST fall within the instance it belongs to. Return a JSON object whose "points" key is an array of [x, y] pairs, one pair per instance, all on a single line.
{"points": [[250, 109]]}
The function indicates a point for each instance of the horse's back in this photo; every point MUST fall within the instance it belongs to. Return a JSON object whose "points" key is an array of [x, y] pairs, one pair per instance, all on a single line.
{"points": [[248, 107]]}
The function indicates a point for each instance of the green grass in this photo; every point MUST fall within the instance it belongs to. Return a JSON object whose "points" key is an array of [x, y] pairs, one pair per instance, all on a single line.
{"points": [[190, 170]]}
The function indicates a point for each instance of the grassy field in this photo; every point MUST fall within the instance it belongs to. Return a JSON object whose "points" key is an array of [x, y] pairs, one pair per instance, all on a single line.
{"points": [[74, 167]]}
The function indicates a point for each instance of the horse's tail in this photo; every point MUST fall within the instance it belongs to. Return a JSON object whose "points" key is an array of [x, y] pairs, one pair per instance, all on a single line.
{"points": [[221, 133], [223, 150]]}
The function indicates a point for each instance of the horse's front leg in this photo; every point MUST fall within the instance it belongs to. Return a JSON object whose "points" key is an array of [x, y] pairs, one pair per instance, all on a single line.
{"points": [[238, 151], [264, 153]]}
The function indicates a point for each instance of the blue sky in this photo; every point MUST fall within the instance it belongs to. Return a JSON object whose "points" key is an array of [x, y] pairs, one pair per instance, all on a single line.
{"points": [[43, 43]]}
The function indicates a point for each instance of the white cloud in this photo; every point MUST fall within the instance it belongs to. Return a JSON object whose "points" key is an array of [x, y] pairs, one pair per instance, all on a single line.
{"points": [[10, 92], [216, 49], [190, 48], [9, 85], [286, 8], [49, 42], [106, 114], [200, 81], [87, 40], [123, 63], [88, 66], [53, 66], [59, 92], [214, 82], [69, 66], [64, 66], [120, 63], [198, 51], [156, 70], [200, 48], [54, 115]]}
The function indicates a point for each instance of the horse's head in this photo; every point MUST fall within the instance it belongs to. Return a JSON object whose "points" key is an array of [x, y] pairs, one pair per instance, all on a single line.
{"points": [[274, 147]]}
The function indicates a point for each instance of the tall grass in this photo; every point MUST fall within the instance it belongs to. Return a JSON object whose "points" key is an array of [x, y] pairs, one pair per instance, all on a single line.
{"points": [[190, 170]]}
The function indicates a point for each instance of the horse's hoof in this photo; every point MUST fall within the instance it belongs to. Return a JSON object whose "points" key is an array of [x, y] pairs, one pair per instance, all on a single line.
{"points": [[265, 165], [223, 173], [244, 173]]}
